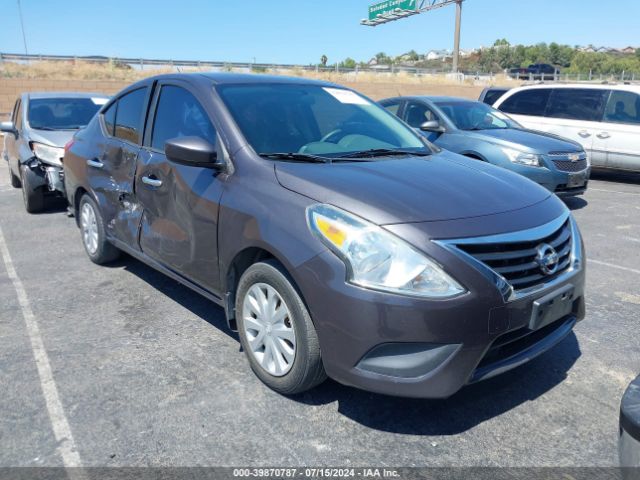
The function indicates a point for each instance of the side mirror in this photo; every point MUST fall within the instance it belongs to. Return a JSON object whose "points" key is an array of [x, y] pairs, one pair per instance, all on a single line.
{"points": [[8, 127], [194, 151], [432, 126]]}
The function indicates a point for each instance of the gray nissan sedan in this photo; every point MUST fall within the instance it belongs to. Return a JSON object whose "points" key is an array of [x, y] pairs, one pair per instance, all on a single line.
{"points": [[40, 126], [338, 240]]}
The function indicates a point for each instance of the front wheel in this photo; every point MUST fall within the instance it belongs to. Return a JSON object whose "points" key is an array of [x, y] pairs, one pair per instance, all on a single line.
{"points": [[94, 239], [276, 330], [32, 191]]}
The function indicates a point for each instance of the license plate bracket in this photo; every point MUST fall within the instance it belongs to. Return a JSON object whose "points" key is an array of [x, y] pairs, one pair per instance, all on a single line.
{"points": [[576, 180], [552, 307]]}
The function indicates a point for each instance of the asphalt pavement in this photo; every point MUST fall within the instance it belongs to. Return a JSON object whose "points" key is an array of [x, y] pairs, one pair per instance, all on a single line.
{"points": [[121, 366]]}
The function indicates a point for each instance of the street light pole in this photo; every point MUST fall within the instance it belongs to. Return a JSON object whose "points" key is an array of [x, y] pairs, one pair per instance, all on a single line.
{"points": [[24, 37], [456, 40]]}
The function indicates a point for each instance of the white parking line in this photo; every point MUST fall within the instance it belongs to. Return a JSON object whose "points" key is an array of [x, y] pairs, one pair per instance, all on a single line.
{"points": [[614, 191], [611, 265], [62, 431]]}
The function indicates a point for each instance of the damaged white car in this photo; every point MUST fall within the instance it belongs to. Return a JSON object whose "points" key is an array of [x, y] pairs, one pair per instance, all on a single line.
{"points": [[34, 139]]}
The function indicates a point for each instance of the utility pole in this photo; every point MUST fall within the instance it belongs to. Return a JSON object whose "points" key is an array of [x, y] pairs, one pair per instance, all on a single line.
{"points": [[456, 40], [24, 37]]}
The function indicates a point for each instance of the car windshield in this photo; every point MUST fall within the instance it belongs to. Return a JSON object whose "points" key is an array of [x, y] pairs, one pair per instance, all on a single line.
{"points": [[62, 113], [311, 120], [476, 116]]}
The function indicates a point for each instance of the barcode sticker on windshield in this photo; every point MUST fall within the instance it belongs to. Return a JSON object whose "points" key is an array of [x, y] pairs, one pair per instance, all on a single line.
{"points": [[99, 101], [347, 96]]}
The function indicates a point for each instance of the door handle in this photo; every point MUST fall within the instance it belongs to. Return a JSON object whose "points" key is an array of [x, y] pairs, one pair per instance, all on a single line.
{"points": [[95, 163], [603, 135], [152, 182], [584, 134]]}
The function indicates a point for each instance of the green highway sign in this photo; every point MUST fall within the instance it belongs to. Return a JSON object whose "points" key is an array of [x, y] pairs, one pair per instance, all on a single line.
{"points": [[389, 6]]}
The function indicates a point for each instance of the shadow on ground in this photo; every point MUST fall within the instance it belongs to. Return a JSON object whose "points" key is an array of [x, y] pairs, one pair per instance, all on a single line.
{"points": [[575, 203], [616, 176], [468, 408]]}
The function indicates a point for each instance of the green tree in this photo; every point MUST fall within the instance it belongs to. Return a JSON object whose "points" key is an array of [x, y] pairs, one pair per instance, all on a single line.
{"points": [[349, 63], [323, 60]]}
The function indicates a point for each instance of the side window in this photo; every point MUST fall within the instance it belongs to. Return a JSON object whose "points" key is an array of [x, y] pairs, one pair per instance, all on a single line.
{"points": [[18, 120], [417, 113], [14, 112], [393, 107], [527, 102], [577, 104], [129, 116], [179, 114], [110, 117], [623, 107]]}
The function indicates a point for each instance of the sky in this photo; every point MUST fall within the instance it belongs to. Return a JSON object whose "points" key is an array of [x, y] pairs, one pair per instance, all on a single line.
{"points": [[299, 31]]}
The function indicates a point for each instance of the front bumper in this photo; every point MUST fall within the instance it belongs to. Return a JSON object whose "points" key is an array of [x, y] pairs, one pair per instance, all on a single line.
{"points": [[559, 182], [46, 175], [456, 342], [414, 347]]}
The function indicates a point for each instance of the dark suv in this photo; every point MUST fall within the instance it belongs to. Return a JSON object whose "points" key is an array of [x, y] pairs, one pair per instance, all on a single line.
{"points": [[338, 240]]}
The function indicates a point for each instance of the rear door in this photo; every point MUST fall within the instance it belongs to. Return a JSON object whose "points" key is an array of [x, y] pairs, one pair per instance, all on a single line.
{"points": [[180, 202], [112, 173], [620, 130]]}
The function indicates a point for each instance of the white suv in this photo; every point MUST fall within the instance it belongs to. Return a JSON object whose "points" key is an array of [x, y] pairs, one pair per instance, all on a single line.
{"points": [[605, 119]]}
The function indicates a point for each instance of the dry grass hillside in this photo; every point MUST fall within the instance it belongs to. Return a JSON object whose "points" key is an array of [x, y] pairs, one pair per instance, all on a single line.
{"points": [[110, 78]]}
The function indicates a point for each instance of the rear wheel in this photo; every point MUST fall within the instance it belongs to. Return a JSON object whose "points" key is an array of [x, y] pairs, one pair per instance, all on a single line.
{"points": [[94, 239], [276, 330], [32, 191]]}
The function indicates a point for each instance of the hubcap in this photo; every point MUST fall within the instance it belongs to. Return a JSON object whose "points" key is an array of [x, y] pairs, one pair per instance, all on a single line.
{"points": [[269, 329], [89, 226]]}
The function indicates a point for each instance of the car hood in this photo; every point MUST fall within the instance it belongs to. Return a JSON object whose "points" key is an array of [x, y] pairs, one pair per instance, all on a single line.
{"points": [[444, 186], [532, 140], [54, 138]]}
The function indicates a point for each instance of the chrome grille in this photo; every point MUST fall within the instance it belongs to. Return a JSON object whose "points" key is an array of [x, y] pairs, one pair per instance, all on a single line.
{"points": [[516, 261]]}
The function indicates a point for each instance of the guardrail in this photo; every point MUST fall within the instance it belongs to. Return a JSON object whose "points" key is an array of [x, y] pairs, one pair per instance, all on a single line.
{"points": [[143, 63]]}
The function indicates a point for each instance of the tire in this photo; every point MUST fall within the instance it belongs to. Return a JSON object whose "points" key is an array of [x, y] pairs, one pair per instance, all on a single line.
{"points": [[32, 195], [92, 232], [304, 370], [15, 180]]}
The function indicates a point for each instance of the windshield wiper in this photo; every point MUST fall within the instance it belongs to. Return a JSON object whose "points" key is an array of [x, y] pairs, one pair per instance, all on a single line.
{"points": [[383, 152], [296, 157]]}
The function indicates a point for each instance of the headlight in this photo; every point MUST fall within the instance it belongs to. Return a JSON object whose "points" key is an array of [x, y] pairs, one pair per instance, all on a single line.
{"points": [[47, 154], [516, 156], [377, 259]]}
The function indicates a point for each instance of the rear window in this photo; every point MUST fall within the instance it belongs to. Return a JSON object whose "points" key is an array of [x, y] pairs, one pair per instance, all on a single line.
{"points": [[577, 104], [527, 102], [492, 96], [62, 113]]}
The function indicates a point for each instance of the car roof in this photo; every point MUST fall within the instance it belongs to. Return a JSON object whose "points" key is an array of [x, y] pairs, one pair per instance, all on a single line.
{"points": [[599, 86], [39, 95], [219, 78], [435, 98]]}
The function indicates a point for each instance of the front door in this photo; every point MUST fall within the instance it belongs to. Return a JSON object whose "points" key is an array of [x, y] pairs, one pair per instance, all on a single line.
{"points": [[180, 202]]}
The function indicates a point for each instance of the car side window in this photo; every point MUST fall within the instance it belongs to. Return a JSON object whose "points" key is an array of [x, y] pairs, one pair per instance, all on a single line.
{"points": [[110, 117], [577, 104], [179, 114], [393, 107], [18, 120], [527, 102], [418, 113], [129, 116], [623, 107]]}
